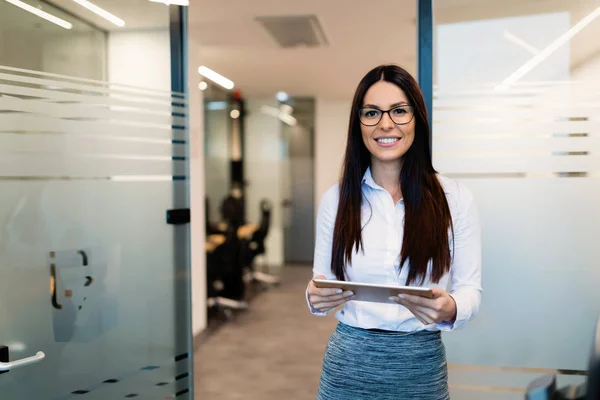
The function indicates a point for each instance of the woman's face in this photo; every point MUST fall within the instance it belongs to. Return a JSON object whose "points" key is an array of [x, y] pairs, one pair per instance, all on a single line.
{"points": [[389, 138]]}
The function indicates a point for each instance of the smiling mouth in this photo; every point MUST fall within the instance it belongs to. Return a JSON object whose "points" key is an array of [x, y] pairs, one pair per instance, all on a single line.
{"points": [[387, 140]]}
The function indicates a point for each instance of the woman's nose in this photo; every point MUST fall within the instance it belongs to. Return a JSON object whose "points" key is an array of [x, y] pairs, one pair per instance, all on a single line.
{"points": [[386, 121]]}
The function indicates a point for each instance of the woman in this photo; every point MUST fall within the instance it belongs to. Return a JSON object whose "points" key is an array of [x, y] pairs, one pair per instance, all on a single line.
{"points": [[393, 220]]}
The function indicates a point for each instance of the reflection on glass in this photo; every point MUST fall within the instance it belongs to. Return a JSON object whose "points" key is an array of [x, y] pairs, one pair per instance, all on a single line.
{"points": [[30, 42], [216, 147]]}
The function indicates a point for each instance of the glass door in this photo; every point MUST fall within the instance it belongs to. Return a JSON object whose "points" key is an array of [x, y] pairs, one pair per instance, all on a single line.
{"points": [[515, 118], [94, 287]]}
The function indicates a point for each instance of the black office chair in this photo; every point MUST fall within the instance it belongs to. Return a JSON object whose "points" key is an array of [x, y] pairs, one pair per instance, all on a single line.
{"points": [[232, 211], [225, 278], [256, 245]]}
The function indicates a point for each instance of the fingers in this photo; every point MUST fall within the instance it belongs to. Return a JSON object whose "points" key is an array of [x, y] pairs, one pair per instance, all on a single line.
{"points": [[417, 300], [323, 292], [328, 305], [314, 299], [312, 289], [425, 310]]}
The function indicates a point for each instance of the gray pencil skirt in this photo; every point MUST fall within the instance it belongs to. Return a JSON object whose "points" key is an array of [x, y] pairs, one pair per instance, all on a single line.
{"points": [[366, 364]]}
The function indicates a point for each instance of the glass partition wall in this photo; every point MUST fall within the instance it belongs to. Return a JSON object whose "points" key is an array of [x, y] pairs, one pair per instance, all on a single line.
{"points": [[515, 118], [94, 295]]}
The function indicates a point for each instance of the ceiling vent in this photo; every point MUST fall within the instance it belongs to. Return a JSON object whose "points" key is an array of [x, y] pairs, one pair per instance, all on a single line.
{"points": [[295, 30]]}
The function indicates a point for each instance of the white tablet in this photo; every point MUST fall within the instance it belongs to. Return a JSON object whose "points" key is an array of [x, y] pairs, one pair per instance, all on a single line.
{"points": [[372, 292]]}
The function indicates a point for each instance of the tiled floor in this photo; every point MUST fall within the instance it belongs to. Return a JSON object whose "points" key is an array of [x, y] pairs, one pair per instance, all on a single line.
{"points": [[274, 351]]}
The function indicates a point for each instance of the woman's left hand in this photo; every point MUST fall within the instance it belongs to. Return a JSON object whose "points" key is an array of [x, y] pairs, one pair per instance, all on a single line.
{"points": [[442, 308]]}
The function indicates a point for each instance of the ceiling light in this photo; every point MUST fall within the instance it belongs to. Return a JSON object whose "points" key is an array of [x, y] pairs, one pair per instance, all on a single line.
{"points": [[216, 78], [217, 105], [282, 96], [202, 85], [101, 12], [551, 48], [41, 14], [173, 2]]}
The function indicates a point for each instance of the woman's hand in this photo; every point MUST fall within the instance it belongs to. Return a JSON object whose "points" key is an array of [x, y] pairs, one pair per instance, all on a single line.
{"points": [[327, 298], [442, 308]]}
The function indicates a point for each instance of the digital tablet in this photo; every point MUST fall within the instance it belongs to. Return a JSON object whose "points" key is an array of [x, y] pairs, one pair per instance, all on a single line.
{"points": [[372, 292]]}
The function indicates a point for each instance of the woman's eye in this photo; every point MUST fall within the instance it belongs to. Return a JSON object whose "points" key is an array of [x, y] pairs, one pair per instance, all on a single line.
{"points": [[371, 113], [399, 111]]}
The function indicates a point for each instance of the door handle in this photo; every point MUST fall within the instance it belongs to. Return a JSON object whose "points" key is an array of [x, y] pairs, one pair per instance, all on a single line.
{"points": [[6, 366]]}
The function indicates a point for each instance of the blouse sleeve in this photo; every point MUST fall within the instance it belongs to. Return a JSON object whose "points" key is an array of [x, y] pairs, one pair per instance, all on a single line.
{"points": [[326, 215], [465, 270]]}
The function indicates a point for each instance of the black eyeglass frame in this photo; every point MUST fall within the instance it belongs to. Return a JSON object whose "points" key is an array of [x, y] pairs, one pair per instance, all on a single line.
{"points": [[388, 113]]}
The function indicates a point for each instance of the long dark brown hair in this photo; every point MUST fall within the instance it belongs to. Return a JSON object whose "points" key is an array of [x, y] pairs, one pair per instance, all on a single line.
{"points": [[427, 221]]}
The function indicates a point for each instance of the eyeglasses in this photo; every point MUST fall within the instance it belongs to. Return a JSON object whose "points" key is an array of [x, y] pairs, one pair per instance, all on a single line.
{"points": [[371, 116]]}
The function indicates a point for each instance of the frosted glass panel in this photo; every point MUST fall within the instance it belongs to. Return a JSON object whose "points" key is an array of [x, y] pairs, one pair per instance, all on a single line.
{"points": [[88, 171], [516, 119]]}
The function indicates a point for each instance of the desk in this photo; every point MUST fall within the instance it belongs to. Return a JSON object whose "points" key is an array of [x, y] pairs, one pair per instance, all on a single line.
{"points": [[213, 241], [244, 232]]}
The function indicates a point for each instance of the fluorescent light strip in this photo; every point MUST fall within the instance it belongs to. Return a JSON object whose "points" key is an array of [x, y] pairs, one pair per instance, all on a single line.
{"points": [[274, 112], [215, 77], [173, 2], [42, 14], [551, 48], [101, 12]]}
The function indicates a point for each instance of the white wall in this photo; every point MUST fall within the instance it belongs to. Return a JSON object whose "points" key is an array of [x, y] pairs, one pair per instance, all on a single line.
{"points": [[331, 131], [197, 190], [127, 67]]}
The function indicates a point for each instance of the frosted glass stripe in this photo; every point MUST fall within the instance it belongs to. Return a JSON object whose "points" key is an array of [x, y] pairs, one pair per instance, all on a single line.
{"points": [[119, 86], [57, 95], [91, 89], [48, 134], [115, 178], [484, 102], [522, 129], [71, 110], [513, 145], [60, 144], [516, 115], [486, 164], [119, 129], [99, 156], [72, 165], [488, 91]]}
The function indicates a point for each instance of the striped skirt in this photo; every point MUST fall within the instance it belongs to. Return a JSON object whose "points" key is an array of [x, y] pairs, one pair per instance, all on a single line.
{"points": [[365, 364]]}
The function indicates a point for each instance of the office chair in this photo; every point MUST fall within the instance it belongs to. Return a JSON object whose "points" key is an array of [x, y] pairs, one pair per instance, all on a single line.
{"points": [[544, 388], [225, 283], [256, 246]]}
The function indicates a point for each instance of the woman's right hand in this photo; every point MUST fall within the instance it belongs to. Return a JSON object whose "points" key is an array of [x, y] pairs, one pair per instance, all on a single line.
{"points": [[327, 298]]}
